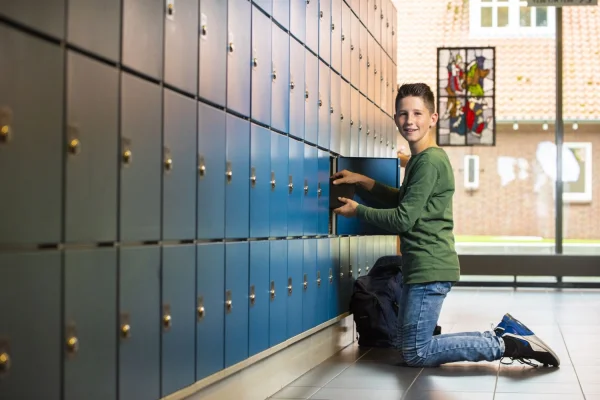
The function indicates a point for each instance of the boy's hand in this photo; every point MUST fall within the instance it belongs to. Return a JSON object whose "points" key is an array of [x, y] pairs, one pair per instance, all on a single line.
{"points": [[346, 176], [348, 209]]}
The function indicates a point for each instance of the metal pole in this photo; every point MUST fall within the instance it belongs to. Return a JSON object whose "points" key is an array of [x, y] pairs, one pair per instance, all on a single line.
{"points": [[559, 132]]}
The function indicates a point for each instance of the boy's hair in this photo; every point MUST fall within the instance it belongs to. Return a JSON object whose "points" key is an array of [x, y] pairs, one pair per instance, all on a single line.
{"points": [[421, 90]]}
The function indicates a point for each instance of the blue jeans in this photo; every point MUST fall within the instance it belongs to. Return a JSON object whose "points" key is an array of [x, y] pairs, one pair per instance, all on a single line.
{"points": [[419, 312]]}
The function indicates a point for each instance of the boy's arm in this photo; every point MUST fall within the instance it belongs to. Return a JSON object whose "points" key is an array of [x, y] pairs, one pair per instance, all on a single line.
{"points": [[385, 195], [409, 208]]}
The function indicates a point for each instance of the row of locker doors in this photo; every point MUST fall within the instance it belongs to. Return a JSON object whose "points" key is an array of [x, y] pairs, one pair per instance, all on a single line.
{"points": [[144, 322]]}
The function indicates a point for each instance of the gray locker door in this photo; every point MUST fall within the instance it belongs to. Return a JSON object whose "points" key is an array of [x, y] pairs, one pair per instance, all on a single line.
{"points": [[377, 16], [261, 67], [354, 122], [377, 75], [90, 324], [370, 129], [213, 51], [363, 57], [346, 39], [345, 118], [363, 127], [324, 105], [355, 27], [383, 81], [238, 63], [281, 12], [325, 30], [336, 112], [140, 159], [384, 24], [30, 329], [265, 5], [45, 16], [179, 167], [31, 121], [297, 85], [280, 112], [371, 67], [364, 11], [312, 25], [143, 52], [311, 109], [92, 149], [336, 35], [95, 25], [181, 45], [298, 19]]}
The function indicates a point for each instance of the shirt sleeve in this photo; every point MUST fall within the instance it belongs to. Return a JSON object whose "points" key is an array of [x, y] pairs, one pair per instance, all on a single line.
{"points": [[409, 208], [384, 195]]}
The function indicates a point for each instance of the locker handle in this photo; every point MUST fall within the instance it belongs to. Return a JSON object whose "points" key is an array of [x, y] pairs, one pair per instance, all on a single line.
{"points": [[228, 301], [170, 6], [274, 74], [367, 268], [360, 56], [229, 172], [168, 159], [350, 269], [231, 47], [289, 288], [351, 47], [201, 166], [330, 275], [167, 320], [333, 27], [359, 271], [351, 122], [343, 37], [127, 156], [341, 116], [306, 94], [381, 79], [126, 331], [307, 2], [255, 62], [393, 32], [375, 71], [204, 30], [321, 14], [360, 127], [387, 24], [341, 273], [319, 190], [72, 344], [331, 110], [273, 182], [376, 6], [5, 124], [320, 101], [272, 291], [305, 186], [74, 146], [200, 309], [253, 176], [305, 281], [5, 362], [292, 85], [252, 295], [382, 15], [368, 63], [319, 278], [291, 184], [5, 133]]}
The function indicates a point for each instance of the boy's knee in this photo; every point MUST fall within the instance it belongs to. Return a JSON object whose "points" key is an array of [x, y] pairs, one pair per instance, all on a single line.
{"points": [[412, 358]]}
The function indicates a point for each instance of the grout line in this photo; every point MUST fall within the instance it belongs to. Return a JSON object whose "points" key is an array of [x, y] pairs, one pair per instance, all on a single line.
{"points": [[570, 359], [412, 383]]}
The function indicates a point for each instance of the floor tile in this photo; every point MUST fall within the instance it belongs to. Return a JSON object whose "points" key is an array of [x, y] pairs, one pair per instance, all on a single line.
{"points": [[437, 395], [538, 396], [475, 378], [357, 394], [296, 392]]}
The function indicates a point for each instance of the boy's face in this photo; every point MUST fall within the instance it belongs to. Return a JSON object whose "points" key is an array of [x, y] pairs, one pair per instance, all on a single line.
{"points": [[413, 119]]}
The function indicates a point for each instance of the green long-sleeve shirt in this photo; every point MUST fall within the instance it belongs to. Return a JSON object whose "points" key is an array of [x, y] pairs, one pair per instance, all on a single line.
{"points": [[421, 213]]}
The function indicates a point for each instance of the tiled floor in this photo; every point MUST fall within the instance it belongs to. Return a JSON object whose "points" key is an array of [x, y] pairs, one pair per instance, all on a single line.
{"points": [[567, 320]]}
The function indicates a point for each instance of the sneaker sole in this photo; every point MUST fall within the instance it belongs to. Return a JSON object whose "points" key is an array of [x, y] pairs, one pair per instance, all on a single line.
{"points": [[547, 355]]}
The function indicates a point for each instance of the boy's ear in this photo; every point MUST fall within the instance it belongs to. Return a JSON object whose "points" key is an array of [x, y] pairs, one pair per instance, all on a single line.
{"points": [[434, 119]]}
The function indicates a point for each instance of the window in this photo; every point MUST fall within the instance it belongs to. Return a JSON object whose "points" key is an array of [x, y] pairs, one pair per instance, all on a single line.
{"points": [[509, 18]]}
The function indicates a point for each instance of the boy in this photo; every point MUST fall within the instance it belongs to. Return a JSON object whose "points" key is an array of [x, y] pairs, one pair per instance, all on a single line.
{"points": [[421, 213]]}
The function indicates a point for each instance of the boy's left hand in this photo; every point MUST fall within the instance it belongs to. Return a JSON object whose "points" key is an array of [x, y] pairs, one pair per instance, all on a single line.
{"points": [[348, 209]]}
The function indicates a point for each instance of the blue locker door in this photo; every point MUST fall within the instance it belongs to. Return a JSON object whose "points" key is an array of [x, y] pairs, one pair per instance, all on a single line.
{"points": [[363, 127], [324, 162], [213, 51], [143, 53], [139, 322], [309, 285], [311, 98], [336, 113], [312, 26], [51, 21], [258, 314], [280, 186], [295, 212], [324, 105], [261, 67], [355, 51], [31, 74], [89, 20], [260, 181], [345, 118], [236, 302], [354, 251], [354, 121], [310, 204], [90, 369], [210, 314], [281, 12], [298, 19], [323, 267], [237, 176], [345, 275], [280, 115], [346, 41], [278, 284], [336, 35], [295, 287], [238, 48], [30, 302], [91, 171], [140, 190], [179, 167], [297, 88], [335, 290], [211, 161], [181, 45], [178, 318], [325, 30]]}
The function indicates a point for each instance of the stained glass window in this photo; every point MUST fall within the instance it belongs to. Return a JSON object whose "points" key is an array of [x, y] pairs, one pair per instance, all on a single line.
{"points": [[466, 96]]}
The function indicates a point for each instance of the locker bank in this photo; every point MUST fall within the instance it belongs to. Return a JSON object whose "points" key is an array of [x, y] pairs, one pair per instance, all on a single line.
{"points": [[164, 218]]}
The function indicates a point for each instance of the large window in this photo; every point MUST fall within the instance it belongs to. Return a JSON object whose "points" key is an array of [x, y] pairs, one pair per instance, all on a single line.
{"points": [[510, 18]]}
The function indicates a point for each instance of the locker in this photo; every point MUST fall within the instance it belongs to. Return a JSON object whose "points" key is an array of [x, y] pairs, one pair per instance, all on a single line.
{"points": [[325, 31], [322, 280], [280, 111], [377, 74], [30, 331], [364, 11], [312, 26], [95, 25], [178, 318], [297, 85], [336, 35], [143, 52], [309, 285], [355, 6], [363, 60], [369, 252], [181, 45], [260, 181], [382, 82], [210, 315], [298, 22], [311, 96], [265, 5], [362, 255], [258, 312], [346, 40], [238, 48], [323, 192], [92, 143], [384, 25], [31, 73], [179, 167], [324, 105], [141, 151], [236, 302], [370, 23], [382, 247], [394, 17], [47, 17], [377, 20], [336, 113], [237, 176], [363, 127], [355, 52], [345, 118], [371, 67], [211, 160], [334, 281], [354, 122], [295, 213], [279, 188], [213, 51], [295, 249], [278, 291], [281, 12], [310, 202], [346, 280], [392, 87], [90, 341], [139, 322], [354, 250], [261, 67], [370, 129], [377, 133]]}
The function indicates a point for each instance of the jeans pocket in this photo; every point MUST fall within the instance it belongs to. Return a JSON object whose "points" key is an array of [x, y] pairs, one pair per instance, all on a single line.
{"points": [[441, 287]]}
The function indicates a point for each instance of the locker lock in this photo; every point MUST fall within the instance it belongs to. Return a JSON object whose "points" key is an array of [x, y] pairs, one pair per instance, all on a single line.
{"points": [[74, 146], [330, 275], [252, 295], [4, 362], [231, 47], [341, 116], [4, 133], [168, 160], [170, 7], [319, 190], [368, 63], [367, 268], [229, 172], [253, 176], [201, 166], [127, 157], [305, 284], [273, 182], [167, 320], [393, 32], [387, 24], [306, 94], [305, 186], [204, 30], [350, 270], [255, 62], [333, 27], [351, 122], [360, 56], [5, 124], [375, 6], [381, 16], [292, 85], [351, 47], [343, 37], [341, 273], [331, 110], [228, 301], [289, 288], [272, 291], [320, 103], [321, 14], [274, 74], [125, 331], [291, 184], [200, 309], [319, 278], [72, 344], [376, 71]]}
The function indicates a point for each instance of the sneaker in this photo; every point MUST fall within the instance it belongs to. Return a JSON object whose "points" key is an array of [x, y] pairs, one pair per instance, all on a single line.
{"points": [[523, 345]]}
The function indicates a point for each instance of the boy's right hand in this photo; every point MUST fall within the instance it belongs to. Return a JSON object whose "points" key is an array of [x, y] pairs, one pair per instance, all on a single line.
{"points": [[346, 176]]}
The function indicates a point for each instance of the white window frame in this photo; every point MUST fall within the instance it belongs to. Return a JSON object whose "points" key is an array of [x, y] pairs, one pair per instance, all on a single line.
{"points": [[514, 28]]}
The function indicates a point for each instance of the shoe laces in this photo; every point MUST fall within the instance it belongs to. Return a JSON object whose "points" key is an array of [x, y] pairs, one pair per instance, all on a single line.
{"points": [[524, 361]]}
